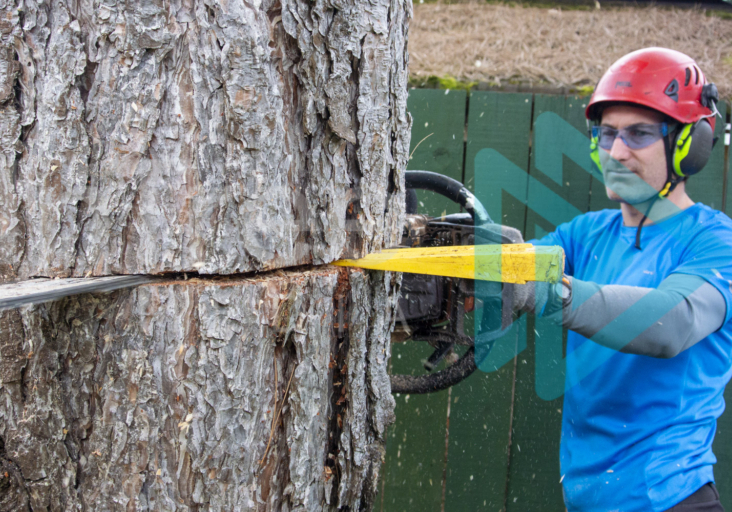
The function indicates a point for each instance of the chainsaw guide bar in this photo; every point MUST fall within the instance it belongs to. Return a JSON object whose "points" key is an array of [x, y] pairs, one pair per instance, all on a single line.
{"points": [[36, 291]]}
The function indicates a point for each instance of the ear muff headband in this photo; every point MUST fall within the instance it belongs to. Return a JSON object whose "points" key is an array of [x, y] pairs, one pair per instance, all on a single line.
{"points": [[692, 148]]}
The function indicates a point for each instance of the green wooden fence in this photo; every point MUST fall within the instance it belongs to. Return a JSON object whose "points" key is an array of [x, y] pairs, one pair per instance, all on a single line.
{"points": [[491, 443]]}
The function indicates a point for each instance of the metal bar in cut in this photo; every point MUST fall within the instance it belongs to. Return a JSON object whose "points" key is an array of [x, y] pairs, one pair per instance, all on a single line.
{"points": [[36, 291]]}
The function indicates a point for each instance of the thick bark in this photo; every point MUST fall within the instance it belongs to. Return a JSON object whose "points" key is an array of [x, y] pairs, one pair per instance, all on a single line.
{"points": [[194, 135], [163, 398], [201, 138]]}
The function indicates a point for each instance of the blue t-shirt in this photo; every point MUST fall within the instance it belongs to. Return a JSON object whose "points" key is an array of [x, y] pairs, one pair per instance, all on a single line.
{"points": [[637, 431]]}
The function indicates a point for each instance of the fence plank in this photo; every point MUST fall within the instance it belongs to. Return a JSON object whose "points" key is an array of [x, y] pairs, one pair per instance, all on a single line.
{"points": [[415, 450], [479, 426], [533, 482], [415, 447], [570, 181], [708, 186], [480, 417], [438, 128], [499, 121], [534, 453]]}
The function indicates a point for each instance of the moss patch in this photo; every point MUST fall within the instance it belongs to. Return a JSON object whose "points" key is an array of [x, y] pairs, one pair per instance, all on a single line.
{"points": [[441, 82]]}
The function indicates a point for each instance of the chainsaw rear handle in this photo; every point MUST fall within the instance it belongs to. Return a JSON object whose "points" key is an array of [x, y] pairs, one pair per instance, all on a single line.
{"points": [[451, 189]]}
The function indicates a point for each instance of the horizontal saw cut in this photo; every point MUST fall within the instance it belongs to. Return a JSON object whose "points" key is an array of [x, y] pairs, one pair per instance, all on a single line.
{"points": [[508, 263]]}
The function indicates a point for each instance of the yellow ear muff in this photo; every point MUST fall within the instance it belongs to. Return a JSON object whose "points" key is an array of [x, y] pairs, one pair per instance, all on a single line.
{"points": [[682, 147], [692, 148], [595, 153]]}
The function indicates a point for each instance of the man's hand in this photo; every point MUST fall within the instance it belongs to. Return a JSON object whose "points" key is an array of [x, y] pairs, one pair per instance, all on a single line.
{"points": [[540, 298], [535, 297]]}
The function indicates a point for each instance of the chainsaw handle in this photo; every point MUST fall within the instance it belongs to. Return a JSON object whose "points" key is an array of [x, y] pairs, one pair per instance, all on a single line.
{"points": [[430, 383], [451, 189]]}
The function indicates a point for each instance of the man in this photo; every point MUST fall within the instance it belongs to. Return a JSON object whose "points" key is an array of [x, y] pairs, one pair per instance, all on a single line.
{"points": [[647, 299]]}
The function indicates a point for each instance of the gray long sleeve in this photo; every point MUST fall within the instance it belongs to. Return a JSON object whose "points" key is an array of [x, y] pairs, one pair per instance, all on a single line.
{"points": [[660, 322]]}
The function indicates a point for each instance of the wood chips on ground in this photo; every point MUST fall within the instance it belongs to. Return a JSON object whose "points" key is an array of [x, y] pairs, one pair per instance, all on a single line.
{"points": [[563, 48]]}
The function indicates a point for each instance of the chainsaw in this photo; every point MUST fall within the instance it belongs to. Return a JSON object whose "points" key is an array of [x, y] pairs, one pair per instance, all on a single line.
{"points": [[433, 309]]}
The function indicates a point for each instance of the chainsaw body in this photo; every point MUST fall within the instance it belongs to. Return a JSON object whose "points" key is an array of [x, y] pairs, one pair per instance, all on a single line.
{"points": [[432, 309]]}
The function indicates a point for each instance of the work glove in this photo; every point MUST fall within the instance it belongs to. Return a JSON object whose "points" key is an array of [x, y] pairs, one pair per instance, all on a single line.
{"points": [[540, 298], [515, 296]]}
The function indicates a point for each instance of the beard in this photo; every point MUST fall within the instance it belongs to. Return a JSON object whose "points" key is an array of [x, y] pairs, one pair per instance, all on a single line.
{"points": [[623, 185]]}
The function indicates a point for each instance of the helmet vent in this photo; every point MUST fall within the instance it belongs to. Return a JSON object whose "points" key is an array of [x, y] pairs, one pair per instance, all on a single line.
{"points": [[688, 77], [672, 90], [696, 72]]}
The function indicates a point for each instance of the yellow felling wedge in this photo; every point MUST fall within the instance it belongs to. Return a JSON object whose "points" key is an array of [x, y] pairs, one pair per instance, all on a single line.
{"points": [[510, 263]]}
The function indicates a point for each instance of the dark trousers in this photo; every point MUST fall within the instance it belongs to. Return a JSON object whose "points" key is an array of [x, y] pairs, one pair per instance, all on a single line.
{"points": [[706, 499]]}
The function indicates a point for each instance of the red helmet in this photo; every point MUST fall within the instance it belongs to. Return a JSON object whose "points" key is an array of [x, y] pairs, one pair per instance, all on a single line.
{"points": [[664, 80]]}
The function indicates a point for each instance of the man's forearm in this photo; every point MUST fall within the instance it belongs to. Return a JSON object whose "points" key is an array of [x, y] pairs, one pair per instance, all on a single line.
{"points": [[686, 310]]}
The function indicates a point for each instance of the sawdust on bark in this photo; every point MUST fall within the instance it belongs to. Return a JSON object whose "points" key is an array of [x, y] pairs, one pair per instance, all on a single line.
{"points": [[500, 44]]}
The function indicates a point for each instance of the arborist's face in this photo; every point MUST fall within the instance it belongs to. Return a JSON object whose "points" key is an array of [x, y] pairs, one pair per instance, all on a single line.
{"points": [[648, 163]]}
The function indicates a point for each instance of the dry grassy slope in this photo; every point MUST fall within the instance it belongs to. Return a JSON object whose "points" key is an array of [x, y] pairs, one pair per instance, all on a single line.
{"points": [[498, 43]]}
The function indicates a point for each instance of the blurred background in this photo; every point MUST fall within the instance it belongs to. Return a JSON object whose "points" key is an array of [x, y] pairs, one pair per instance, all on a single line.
{"points": [[481, 74]]}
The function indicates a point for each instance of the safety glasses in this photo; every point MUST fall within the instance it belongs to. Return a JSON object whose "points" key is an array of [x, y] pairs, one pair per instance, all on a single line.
{"points": [[636, 136]]}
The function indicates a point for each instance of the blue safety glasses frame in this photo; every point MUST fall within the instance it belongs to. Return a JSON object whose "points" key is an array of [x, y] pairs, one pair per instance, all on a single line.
{"points": [[636, 136]]}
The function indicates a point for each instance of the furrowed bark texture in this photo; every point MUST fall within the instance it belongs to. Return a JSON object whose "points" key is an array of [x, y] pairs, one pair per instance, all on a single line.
{"points": [[213, 138], [163, 397], [199, 135]]}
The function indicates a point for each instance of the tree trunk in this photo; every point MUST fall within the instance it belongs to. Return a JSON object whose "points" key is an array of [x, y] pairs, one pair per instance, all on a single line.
{"points": [[167, 136], [266, 393], [216, 142]]}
